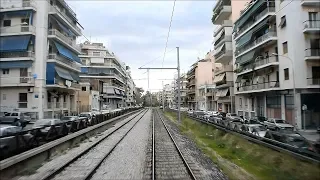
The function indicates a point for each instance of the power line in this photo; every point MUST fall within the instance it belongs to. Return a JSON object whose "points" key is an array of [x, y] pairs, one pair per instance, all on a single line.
{"points": [[156, 58], [165, 49]]}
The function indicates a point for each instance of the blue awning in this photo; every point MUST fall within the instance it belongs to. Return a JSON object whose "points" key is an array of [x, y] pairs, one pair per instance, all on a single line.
{"points": [[75, 76], [15, 64], [65, 29], [84, 69], [67, 53], [63, 74], [14, 43]]}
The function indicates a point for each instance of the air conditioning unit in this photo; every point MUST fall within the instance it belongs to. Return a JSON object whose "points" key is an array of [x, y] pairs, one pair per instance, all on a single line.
{"points": [[30, 90]]}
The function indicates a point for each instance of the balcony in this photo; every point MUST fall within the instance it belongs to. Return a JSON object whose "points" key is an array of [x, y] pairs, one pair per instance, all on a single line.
{"points": [[57, 105], [17, 30], [249, 87], [223, 69], [64, 62], [261, 16], [64, 105], [313, 81], [315, 3], [191, 83], [260, 63], [271, 36], [223, 39], [22, 5], [311, 26], [62, 16], [221, 12], [105, 65], [312, 54], [16, 81], [224, 84], [113, 85], [22, 104], [224, 99], [65, 40], [224, 53], [191, 91], [225, 23], [16, 56]]}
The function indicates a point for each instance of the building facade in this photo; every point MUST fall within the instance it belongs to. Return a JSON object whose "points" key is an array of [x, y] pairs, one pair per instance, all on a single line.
{"points": [[98, 64], [183, 91], [130, 89], [278, 61], [39, 58], [224, 14]]}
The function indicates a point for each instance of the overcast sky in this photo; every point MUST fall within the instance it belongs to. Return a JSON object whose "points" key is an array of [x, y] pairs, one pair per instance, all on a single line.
{"points": [[136, 32]]}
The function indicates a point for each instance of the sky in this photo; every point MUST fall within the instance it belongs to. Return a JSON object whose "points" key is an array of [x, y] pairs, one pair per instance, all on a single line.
{"points": [[136, 31]]}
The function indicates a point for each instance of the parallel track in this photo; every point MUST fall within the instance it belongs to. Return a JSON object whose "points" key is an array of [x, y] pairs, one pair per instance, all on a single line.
{"points": [[167, 160], [92, 148]]}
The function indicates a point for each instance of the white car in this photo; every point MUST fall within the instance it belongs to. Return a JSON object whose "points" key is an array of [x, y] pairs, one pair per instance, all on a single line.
{"points": [[256, 129]]}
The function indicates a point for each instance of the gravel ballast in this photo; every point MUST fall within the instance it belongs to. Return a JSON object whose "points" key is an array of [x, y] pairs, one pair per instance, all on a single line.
{"points": [[127, 159], [202, 166]]}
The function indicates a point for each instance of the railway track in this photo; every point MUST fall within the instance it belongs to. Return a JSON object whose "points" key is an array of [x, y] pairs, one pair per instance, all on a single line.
{"points": [[167, 160], [84, 165]]}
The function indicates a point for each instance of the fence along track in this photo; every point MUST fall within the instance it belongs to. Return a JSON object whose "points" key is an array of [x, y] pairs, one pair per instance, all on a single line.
{"points": [[87, 150], [167, 160]]}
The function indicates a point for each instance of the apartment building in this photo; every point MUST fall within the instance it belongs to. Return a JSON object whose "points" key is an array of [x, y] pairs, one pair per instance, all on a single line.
{"points": [[98, 64], [130, 89], [168, 95], [183, 90], [278, 61], [39, 57], [225, 13], [199, 74]]}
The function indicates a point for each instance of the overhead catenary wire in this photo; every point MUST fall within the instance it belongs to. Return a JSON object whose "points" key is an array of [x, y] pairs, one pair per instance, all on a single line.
{"points": [[165, 49]]}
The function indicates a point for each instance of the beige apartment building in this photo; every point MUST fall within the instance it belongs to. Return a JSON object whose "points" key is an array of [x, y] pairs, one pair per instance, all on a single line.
{"points": [[224, 15]]}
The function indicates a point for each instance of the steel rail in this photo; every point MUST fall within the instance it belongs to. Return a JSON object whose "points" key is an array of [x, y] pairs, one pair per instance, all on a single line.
{"points": [[153, 149], [190, 172], [66, 164]]}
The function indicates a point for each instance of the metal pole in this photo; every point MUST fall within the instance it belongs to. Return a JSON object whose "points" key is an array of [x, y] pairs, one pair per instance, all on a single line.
{"points": [[149, 88], [179, 98], [304, 119], [162, 97]]}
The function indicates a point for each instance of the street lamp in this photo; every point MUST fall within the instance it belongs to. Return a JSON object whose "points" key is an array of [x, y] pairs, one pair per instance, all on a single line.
{"points": [[294, 87]]}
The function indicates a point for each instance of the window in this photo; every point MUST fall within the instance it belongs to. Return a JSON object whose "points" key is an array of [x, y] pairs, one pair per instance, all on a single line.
{"points": [[285, 47], [4, 97], [240, 101], [96, 53], [6, 23], [23, 100], [84, 88], [25, 21], [286, 73], [283, 22], [5, 71], [84, 61]]}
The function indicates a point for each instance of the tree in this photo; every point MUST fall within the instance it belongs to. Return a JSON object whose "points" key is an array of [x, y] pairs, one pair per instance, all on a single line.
{"points": [[138, 95], [146, 99]]}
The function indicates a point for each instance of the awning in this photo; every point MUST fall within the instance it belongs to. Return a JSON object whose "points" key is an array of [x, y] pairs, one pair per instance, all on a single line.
{"points": [[219, 35], [244, 39], [261, 25], [219, 49], [65, 29], [245, 58], [223, 92], [67, 53], [245, 16], [14, 43], [63, 73], [219, 78], [218, 93], [15, 64], [238, 80], [75, 76]]}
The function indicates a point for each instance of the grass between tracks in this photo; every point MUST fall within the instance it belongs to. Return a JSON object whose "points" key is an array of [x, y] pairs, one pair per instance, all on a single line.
{"points": [[241, 159]]}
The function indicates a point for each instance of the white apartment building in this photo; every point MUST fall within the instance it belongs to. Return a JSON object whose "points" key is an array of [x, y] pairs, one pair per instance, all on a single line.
{"points": [[278, 61], [183, 90], [168, 95], [225, 13], [130, 89], [39, 57], [100, 64]]}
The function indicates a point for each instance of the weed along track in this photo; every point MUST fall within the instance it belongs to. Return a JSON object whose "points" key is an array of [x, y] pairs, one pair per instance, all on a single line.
{"points": [[84, 165]]}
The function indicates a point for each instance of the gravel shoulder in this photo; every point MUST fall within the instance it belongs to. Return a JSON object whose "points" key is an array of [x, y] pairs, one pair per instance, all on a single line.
{"points": [[49, 166], [127, 159], [202, 166]]}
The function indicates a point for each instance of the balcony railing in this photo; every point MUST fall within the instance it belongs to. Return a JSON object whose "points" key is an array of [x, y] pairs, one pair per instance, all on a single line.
{"points": [[259, 62], [65, 61], [49, 105], [17, 54], [63, 14], [64, 105], [22, 4], [260, 39], [248, 86], [16, 81], [257, 18], [312, 52], [64, 38], [313, 81], [22, 104], [219, 7], [57, 105], [226, 38], [17, 29], [224, 69], [311, 24]]}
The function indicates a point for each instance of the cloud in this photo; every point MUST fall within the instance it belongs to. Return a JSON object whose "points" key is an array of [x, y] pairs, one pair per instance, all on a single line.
{"points": [[136, 31]]}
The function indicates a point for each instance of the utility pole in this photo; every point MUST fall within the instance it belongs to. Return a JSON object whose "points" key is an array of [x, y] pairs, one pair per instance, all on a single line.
{"points": [[149, 88], [162, 96], [179, 95]]}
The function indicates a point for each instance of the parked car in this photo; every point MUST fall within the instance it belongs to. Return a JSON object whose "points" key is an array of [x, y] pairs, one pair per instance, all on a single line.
{"points": [[10, 143], [233, 117], [259, 119], [278, 124], [88, 115], [45, 125], [15, 118], [69, 119], [222, 115], [255, 129]]}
